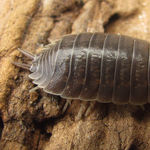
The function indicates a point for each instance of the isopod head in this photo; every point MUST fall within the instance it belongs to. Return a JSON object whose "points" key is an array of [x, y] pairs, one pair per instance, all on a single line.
{"points": [[31, 66]]}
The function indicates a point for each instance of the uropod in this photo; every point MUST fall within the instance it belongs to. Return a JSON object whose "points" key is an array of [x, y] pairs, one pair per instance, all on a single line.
{"points": [[107, 68]]}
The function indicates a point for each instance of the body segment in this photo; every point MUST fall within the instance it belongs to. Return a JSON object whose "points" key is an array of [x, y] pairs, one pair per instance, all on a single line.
{"points": [[95, 67]]}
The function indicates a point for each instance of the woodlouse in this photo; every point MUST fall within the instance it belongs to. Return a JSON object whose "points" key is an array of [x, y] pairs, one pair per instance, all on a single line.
{"points": [[94, 67]]}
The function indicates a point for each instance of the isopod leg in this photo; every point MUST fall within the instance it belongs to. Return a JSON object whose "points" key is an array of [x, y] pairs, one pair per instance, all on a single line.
{"points": [[68, 102], [31, 56], [89, 108], [81, 111], [34, 89]]}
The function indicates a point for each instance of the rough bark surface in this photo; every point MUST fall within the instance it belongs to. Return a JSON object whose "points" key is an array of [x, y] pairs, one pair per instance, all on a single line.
{"points": [[31, 121]]}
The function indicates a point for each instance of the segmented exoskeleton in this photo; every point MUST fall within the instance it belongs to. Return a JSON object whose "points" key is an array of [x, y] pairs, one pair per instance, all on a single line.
{"points": [[94, 67]]}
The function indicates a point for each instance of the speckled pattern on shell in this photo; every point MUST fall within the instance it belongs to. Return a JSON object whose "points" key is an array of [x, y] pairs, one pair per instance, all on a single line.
{"points": [[95, 67]]}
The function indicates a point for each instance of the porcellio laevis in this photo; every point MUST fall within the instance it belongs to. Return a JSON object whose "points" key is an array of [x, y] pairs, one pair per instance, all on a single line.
{"points": [[94, 67]]}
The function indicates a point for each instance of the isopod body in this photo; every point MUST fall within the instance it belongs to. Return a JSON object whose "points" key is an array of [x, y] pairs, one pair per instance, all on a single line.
{"points": [[95, 67]]}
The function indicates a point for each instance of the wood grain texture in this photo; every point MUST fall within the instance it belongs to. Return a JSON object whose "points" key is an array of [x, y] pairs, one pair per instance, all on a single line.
{"points": [[29, 120]]}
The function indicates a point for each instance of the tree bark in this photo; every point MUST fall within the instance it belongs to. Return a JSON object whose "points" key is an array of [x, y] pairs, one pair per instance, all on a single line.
{"points": [[31, 121]]}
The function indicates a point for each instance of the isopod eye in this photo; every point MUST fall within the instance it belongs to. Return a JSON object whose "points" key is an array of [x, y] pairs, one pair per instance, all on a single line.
{"points": [[34, 65]]}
